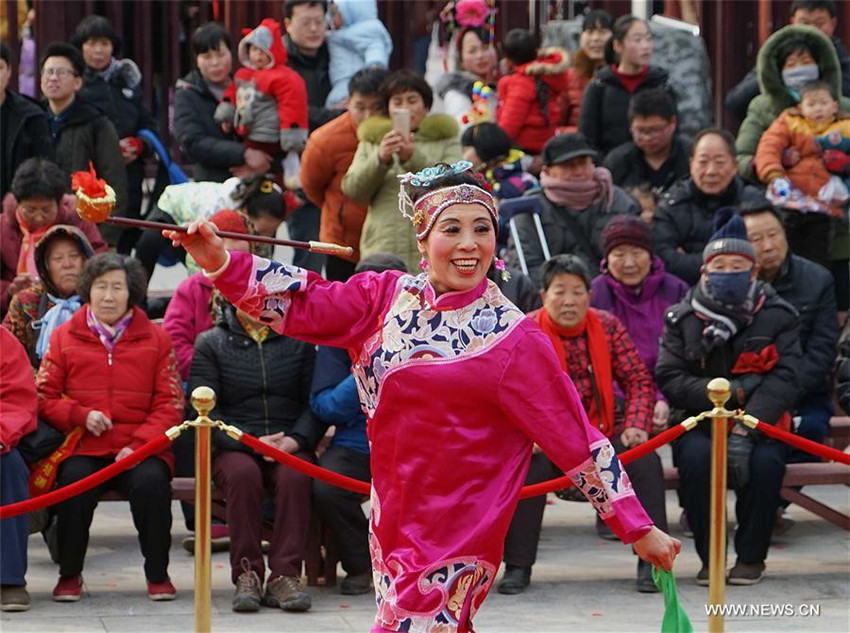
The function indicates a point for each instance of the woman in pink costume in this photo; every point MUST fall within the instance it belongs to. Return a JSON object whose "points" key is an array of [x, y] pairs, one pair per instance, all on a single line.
{"points": [[458, 387]]}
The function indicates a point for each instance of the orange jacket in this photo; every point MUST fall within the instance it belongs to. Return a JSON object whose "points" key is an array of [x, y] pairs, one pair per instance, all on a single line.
{"points": [[790, 129], [327, 157]]}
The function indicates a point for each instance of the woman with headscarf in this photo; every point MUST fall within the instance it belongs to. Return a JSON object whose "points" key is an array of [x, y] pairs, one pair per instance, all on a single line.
{"points": [[38, 310]]}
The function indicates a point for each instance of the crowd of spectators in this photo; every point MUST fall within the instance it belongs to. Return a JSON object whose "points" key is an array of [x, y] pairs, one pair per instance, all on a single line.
{"points": [[653, 261]]}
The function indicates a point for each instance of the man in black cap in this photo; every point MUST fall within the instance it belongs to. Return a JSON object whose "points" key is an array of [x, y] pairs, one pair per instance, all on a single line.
{"points": [[578, 201], [732, 324]]}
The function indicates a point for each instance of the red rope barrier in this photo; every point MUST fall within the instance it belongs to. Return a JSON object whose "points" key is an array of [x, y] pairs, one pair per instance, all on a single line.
{"points": [[317, 472], [626, 457], [356, 485], [87, 483], [803, 444]]}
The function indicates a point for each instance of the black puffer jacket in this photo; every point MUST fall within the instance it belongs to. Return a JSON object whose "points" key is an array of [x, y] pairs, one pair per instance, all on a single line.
{"points": [[26, 136], [573, 232], [604, 116], [809, 287], [120, 98], [201, 140], [260, 388], [683, 371], [88, 135], [629, 168], [685, 218]]}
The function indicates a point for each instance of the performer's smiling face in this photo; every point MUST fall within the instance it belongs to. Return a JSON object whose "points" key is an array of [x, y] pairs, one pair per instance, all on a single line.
{"points": [[460, 247]]}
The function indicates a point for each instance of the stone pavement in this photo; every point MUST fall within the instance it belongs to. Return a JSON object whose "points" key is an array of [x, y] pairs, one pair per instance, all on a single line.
{"points": [[581, 583]]}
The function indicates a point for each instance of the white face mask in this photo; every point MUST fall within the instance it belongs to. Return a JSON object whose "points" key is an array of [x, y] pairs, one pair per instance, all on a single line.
{"points": [[797, 77]]}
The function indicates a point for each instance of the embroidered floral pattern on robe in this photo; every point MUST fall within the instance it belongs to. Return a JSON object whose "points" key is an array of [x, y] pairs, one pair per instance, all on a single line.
{"points": [[413, 331], [602, 478]]}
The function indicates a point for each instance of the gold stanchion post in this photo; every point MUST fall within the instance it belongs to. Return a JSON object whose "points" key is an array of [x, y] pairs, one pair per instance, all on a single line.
{"points": [[203, 400], [719, 392]]}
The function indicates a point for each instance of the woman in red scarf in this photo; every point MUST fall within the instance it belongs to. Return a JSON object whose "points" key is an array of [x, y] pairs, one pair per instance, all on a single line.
{"points": [[595, 350], [38, 188]]}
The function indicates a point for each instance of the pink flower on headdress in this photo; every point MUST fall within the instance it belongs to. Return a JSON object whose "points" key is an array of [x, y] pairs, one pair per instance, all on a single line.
{"points": [[471, 12]]}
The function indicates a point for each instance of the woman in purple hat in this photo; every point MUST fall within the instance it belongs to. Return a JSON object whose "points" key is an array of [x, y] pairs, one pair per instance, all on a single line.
{"points": [[636, 289]]}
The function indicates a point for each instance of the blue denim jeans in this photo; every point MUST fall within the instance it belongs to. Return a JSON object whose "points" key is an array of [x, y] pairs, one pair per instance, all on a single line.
{"points": [[14, 487]]}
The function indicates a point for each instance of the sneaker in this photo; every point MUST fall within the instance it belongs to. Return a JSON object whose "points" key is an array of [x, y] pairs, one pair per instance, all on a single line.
{"points": [[356, 584], [68, 588], [248, 594], [285, 592], [14, 598], [702, 576], [219, 541], [515, 580], [645, 583], [161, 591], [746, 573]]}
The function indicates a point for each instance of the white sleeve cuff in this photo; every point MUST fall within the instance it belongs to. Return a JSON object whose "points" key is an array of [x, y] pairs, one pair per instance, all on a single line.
{"points": [[215, 274]]}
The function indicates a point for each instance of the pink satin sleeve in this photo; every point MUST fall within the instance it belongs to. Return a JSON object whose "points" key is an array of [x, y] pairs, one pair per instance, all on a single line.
{"points": [[302, 304], [542, 401]]}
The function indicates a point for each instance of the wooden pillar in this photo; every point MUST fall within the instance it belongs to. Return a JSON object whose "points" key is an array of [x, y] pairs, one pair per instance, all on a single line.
{"points": [[143, 51], [765, 20], [731, 57], [10, 15]]}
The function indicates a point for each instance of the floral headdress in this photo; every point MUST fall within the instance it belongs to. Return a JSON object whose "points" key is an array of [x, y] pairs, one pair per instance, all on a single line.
{"points": [[460, 14], [424, 212]]}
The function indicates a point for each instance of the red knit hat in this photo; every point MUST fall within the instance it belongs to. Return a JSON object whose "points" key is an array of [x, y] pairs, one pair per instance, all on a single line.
{"points": [[626, 229], [230, 220]]}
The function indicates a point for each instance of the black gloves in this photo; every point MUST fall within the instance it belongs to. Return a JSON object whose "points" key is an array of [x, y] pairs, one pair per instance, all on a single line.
{"points": [[743, 387], [738, 451]]}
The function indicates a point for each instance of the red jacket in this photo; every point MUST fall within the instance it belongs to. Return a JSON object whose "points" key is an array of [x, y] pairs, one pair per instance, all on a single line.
{"points": [[325, 160], [253, 89], [10, 245], [140, 390], [519, 112], [18, 402]]}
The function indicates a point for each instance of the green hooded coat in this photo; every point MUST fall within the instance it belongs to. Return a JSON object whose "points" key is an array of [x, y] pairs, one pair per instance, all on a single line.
{"points": [[370, 181], [775, 98]]}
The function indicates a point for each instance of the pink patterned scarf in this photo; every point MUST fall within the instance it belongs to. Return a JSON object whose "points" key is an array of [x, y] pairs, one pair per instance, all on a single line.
{"points": [[580, 194], [108, 334]]}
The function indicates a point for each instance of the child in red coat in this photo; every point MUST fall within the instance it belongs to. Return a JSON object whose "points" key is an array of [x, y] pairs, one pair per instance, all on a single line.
{"points": [[266, 102], [529, 105]]}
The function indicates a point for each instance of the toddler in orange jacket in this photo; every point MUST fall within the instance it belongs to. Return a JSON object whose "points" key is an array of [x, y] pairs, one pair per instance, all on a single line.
{"points": [[798, 151]]}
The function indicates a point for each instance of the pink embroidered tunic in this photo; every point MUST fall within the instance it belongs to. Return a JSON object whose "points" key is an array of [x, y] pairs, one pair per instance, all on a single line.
{"points": [[457, 389]]}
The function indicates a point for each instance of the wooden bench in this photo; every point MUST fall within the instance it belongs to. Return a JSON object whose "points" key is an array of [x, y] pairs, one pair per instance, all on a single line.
{"points": [[809, 474]]}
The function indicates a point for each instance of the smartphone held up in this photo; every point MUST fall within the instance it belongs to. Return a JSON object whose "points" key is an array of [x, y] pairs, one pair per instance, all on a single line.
{"points": [[401, 121]]}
